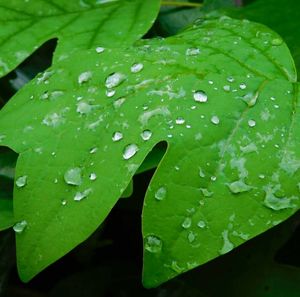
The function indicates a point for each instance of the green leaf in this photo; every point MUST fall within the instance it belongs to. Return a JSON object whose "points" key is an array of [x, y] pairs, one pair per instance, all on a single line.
{"points": [[6, 214], [222, 96], [77, 24], [283, 17]]}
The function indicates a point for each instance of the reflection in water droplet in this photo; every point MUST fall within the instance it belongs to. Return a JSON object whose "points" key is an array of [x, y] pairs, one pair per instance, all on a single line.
{"points": [[187, 223], [153, 244], [161, 193], [200, 96], [146, 135], [135, 68], [114, 79], [117, 136], [129, 151], [21, 181], [215, 120], [20, 226], [73, 176]]}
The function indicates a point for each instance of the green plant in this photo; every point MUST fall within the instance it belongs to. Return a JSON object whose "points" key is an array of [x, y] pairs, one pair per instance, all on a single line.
{"points": [[223, 94]]}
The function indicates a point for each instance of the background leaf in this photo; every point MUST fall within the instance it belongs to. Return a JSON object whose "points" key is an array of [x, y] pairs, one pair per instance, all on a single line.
{"points": [[77, 24], [221, 95]]}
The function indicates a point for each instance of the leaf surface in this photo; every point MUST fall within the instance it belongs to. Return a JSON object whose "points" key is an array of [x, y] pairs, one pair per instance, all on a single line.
{"points": [[222, 97], [26, 25]]}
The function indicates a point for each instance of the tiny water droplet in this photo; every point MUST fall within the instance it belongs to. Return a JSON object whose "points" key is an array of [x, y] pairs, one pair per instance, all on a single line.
{"points": [[93, 176], [243, 86], [64, 202], [201, 224], [215, 120], [153, 244], [251, 123], [226, 88], [110, 92], [83, 108], [135, 68], [93, 150], [114, 80], [191, 237], [73, 176], [227, 244], [100, 49], [200, 96], [81, 195], [161, 193], [129, 151], [20, 226], [277, 41], [187, 223], [230, 79], [239, 187], [117, 136], [193, 51], [180, 121], [84, 77], [146, 135], [21, 181]]}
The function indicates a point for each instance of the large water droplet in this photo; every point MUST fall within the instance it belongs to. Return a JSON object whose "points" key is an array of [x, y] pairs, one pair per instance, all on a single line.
{"points": [[153, 244], [117, 136], [146, 135], [187, 223], [135, 68], [129, 151], [114, 79], [21, 181], [239, 187], [20, 226], [227, 244], [200, 96], [161, 193], [84, 77], [73, 176]]}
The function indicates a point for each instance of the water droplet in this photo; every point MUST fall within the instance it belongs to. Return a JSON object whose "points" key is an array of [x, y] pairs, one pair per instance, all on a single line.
{"points": [[215, 120], [81, 195], [146, 135], [93, 150], [114, 80], [251, 123], [84, 108], [93, 176], [227, 245], [230, 79], [226, 88], [213, 178], [201, 173], [129, 151], [21, 181], [73, 176], [135, 68], [191, 237], [243, 86], [117, 136], [64, 202], [193, 51], [100, 49], [153, 244], [251, 98], [118, 103], [110, 92], [180, 121], [206, 193], [20, 226], [239, 187], [84, 77], [201, 224], [161, 193], [187, 223], [277, 41], [200, 96]]}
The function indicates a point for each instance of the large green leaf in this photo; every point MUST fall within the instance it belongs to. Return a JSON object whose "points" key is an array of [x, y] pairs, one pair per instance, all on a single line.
{"points": [[222, 95], [25, 25], [283, 17]]}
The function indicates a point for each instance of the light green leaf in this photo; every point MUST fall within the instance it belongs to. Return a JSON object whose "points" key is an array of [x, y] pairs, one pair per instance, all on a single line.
{"points": [[84, 24], [6, 214], [222, 96]]}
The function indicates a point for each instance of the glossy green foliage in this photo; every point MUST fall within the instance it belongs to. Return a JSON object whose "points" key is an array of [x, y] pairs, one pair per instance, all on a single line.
{"points": [[84, 24], [222, 95]]}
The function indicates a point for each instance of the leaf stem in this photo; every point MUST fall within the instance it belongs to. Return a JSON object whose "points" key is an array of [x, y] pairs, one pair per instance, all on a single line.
{"points": [[176, 3]]}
